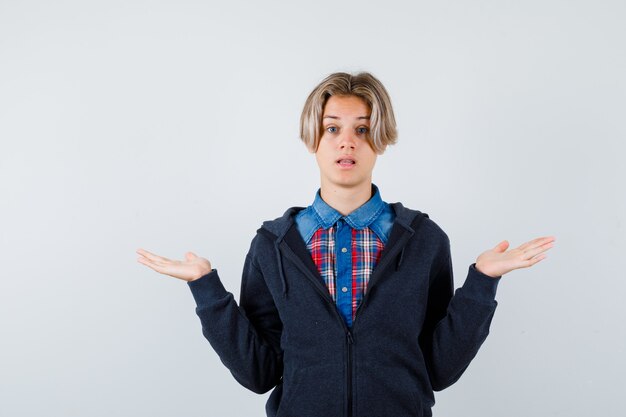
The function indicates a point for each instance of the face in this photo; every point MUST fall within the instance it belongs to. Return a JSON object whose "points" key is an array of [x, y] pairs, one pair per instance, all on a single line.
{"points": [[344, 155]]}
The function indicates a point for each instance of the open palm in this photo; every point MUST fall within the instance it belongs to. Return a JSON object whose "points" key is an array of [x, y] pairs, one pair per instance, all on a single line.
{"points": [[498, 261], [192, 268]]}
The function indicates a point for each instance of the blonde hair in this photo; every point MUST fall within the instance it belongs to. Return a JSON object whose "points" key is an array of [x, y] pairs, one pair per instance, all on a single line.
{"points": [[364, 85]]}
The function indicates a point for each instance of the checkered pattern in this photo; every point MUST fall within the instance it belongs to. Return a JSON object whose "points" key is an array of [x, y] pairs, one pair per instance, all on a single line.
{"points": [[366, 250]]}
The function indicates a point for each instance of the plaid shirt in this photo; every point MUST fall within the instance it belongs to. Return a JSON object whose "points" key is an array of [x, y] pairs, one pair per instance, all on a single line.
{"points": [[346, 249]]}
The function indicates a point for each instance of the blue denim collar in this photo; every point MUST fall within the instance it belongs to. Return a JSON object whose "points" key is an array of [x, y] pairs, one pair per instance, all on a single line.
{"points": [[358, 219], [375, 214]]}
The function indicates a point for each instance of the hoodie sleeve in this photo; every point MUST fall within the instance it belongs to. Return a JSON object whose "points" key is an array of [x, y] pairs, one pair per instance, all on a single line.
{"points": [[456, 323], [246, 337]]}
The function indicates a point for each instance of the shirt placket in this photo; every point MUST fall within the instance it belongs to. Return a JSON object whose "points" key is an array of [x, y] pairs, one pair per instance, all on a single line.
{"points": [[343, 257]]}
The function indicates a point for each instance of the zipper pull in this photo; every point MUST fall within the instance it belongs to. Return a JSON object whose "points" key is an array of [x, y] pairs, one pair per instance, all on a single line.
{"points": [[350, 339]]}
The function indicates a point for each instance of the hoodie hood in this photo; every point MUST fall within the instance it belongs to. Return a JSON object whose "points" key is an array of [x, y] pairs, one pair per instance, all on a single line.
{"points": [[280, 225], [277, 229]]}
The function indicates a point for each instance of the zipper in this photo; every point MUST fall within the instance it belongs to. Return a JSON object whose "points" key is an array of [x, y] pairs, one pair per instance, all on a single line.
{"points": [[350, 342], [324, 293]]}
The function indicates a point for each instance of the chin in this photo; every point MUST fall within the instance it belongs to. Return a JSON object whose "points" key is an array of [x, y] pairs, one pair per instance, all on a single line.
{"points": [[349, 183]]}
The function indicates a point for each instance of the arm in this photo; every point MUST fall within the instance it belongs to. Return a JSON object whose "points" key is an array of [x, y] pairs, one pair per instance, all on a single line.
{"points": [[457, 323], [245, 337]]}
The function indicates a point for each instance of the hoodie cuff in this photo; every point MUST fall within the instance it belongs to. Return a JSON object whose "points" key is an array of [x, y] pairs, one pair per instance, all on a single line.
{"points": [[207, 289], [480, 286]]}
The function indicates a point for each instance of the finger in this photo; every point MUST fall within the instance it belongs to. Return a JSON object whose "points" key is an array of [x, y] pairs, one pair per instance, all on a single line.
{"points": [[502, 246], [537, 259], [152, 263], [152, 256], [536, 242], [158, 268], [165, 269], [530, 244], [530, 262], [532, 252]]}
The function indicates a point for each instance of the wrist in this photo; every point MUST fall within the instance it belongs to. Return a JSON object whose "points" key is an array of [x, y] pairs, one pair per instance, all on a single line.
{"points": [[485, 271], [202, 273]]}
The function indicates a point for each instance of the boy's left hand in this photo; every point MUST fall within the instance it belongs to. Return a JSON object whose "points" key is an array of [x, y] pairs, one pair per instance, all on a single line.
{"points": [[496, 262]]}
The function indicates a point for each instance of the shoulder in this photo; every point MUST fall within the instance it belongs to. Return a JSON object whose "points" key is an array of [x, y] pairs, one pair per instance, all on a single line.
{"points": [[421, 223], [271, 232], [275, 229]]}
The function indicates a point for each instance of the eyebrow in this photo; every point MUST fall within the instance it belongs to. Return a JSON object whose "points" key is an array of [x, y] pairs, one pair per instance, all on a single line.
{"points": [[335, 117]]}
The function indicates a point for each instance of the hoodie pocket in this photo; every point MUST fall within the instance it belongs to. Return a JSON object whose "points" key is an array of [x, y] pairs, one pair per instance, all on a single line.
{"points": [[313, 391], [384, 391]]}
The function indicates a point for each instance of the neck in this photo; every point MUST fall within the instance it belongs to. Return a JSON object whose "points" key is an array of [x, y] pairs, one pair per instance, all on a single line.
{"points": [[346, 199]]}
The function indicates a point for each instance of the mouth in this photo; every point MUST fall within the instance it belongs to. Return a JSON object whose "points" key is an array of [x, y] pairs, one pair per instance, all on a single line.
{"points": [[345, 161]]}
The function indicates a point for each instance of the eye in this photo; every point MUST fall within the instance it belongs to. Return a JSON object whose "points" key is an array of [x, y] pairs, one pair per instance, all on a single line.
{"points": [[362, 130]]}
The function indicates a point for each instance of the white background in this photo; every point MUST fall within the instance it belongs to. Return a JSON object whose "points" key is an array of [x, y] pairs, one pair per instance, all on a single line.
{"points": [[173, 126]]}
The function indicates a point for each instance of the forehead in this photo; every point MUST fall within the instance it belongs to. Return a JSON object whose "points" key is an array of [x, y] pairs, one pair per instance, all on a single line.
{"points": [[346, 107]]}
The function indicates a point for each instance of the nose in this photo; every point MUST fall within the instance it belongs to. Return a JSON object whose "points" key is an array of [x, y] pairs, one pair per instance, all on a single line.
{"points": [[348, 140]]}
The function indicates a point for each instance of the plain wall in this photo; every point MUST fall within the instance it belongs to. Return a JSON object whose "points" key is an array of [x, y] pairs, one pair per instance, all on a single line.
{"points": [[173, 126]]}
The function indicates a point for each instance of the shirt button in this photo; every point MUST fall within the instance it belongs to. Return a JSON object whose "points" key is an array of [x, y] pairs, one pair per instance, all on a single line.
{"points": [[344, 289], [344, 250]]}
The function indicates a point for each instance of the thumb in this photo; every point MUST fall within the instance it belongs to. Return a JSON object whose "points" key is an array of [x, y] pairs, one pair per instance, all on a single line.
{"points": [[502, 246]]}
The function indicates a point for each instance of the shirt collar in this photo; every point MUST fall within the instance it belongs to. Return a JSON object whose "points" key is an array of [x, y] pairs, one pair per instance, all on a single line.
{"points": [[358, 219]]}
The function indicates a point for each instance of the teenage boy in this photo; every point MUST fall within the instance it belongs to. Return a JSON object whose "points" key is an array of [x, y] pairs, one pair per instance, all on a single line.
{"points": [[347, 306]]}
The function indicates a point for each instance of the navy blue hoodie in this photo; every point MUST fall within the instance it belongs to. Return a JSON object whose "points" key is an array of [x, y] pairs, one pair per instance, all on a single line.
{"points": [[412, 333]]}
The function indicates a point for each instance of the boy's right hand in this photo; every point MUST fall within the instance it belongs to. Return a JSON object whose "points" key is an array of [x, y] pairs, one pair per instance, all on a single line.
{"points": [[192, 268]]}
